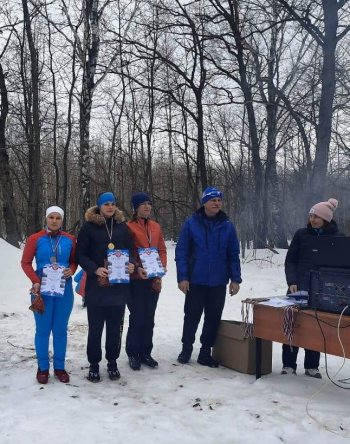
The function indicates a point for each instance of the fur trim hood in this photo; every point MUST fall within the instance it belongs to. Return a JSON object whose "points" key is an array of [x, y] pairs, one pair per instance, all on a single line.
{"points": [[93, 215]]}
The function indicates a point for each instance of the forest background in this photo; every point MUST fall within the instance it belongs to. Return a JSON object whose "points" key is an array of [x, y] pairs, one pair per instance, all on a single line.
{"points": [[170, 96]]}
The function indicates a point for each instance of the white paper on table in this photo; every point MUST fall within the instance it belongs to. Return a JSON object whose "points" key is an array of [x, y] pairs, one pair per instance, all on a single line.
{"points": [[151, 262], [279, 301], [300, 294], [118, 261], [52, 281]]}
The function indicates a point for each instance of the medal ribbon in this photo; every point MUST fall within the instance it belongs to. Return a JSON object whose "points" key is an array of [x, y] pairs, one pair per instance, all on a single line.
{"points": [[55, 249], [110, 234], [147, 233]]}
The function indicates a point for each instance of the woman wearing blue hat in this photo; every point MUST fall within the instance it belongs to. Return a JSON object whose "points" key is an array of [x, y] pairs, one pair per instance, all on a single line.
{"points": [[104, 231], [145, 286]]}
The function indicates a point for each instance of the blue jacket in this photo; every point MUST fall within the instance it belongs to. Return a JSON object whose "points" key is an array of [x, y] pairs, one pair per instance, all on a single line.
{"points": [[39, 246], [207, 252]]}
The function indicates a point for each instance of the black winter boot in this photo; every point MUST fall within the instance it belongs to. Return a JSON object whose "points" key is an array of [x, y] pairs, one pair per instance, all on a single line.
{"points": [[113, 372], [205, 358], [94, 374], [185, 355], [135, 362], [149, 361]]}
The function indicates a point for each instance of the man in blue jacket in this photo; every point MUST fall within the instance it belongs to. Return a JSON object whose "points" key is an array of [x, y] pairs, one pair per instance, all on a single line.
{"points": [[207, 257]]}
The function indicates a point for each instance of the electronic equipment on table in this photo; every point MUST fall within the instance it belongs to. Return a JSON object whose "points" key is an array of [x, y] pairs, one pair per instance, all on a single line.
{"points": [[330, 290]]}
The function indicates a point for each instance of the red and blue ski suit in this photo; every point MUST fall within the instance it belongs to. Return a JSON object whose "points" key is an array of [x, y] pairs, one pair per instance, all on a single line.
{"points": [[57, 309]]}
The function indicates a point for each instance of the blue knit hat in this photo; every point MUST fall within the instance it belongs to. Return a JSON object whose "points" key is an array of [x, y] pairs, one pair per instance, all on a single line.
{"points": [[106, 197], [211, 193], [139, 198]]}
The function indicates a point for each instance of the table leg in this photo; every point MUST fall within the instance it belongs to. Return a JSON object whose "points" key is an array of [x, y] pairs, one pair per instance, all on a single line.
{"points": [[258, 358]]}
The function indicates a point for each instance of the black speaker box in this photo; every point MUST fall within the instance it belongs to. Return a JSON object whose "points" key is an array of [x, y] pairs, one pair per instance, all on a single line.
{"points": [[330, 290]]}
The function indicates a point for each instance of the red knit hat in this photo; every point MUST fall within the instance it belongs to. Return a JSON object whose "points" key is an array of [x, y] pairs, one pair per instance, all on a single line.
{"points": [[325, 209]]}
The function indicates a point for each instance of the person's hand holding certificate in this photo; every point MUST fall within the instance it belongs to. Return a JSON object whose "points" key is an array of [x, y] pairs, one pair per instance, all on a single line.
{"points": [[151, 262], [118, 261], [53, 281]]}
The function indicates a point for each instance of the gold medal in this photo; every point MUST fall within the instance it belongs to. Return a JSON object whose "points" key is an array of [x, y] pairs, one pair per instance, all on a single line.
{"points": [[110, 246]]}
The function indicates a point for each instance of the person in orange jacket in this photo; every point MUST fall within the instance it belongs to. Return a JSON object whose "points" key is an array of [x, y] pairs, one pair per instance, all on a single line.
{"points": [[146, 233]]}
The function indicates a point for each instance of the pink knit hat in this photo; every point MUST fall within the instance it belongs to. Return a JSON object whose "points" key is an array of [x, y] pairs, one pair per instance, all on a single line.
{"points": [[325, 209]]}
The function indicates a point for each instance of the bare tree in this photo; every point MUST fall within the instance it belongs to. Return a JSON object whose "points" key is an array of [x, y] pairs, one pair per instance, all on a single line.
{"points": [[7, 195], [327, 34], [189, 78], [236, 46], [34, 186], [88, 49]]}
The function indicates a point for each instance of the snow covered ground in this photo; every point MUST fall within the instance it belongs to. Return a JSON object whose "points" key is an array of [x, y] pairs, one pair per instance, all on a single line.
{"points": [[173, 404]]}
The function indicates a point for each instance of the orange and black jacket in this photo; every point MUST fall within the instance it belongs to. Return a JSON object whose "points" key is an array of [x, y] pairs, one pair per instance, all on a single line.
{"points": [[147, 233]]}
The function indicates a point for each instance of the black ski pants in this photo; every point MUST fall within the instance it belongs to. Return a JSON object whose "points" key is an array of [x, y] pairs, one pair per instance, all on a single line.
{"points": [[199, 299], [113, 316], [142, 306]]}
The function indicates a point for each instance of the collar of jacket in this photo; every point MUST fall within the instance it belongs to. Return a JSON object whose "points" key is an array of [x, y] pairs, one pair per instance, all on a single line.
{"points": [[142, 220], [331, 228], [220, 217], [93, 215], [53, 233]]}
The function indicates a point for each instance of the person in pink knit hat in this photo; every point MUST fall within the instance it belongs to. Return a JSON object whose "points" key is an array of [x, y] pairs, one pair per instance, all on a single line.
{"points": [[297, 269], [324, 211]]}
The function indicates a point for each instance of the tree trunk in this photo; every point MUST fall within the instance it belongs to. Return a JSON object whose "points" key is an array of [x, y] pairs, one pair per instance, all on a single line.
{"points": [[34, 192], [91, 49], [324, 127], [276, 231], [201, 162], [6, 188], [64, 182], [174, 230], [55, 159], [259, 227]]}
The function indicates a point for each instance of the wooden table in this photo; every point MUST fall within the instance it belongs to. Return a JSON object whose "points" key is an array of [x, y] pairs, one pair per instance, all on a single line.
{"points": [[312, 330]]}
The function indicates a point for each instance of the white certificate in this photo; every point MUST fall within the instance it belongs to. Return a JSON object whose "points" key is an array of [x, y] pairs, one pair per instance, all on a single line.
{"points": [[151, 262], [118, 261], [52, 281]]}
